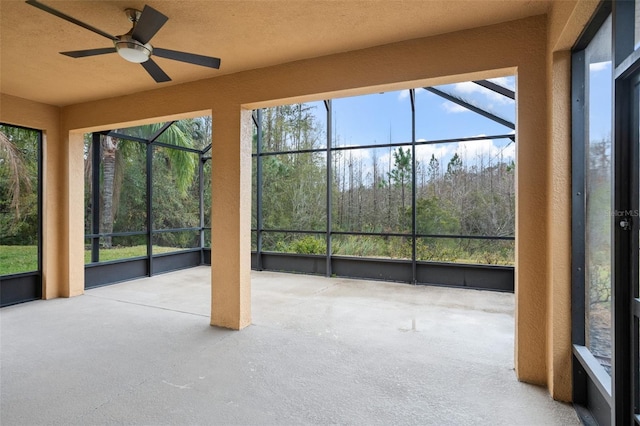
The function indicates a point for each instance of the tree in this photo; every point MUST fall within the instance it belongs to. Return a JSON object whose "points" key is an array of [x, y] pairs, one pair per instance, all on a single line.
{"points": [[114, 152], [454, 167], [18, 185], [17, 176], [400, 175], [434, 173]]}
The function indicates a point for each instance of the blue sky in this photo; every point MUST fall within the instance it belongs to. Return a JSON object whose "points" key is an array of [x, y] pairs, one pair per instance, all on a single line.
{"points": [[600, 98], [386, 117]]}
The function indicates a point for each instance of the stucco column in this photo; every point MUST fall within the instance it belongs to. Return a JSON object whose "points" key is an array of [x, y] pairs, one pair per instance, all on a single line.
{"points": [[231, 218], [559, 227], [72, 209], [531, 217]]}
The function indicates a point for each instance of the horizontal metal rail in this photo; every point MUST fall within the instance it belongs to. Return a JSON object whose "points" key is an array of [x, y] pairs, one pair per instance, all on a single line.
{"points": [[166, 231], [134, 233], [153, 142], [386, 145], [390, 234]]}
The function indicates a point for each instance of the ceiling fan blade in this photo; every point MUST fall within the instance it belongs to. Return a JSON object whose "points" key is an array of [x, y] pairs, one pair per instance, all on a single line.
{"points": [[191, 58], [89, 52], [155, 71], [148, 25], [70, 19]]}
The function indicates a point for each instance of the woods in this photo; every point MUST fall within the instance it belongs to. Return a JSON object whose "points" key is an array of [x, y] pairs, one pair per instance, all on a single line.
{"points": [[372, 192], [464, 191]]}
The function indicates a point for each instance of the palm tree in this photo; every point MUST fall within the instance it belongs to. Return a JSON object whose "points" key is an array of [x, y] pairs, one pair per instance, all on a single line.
{"points": [[19, 175], [115, 151]]}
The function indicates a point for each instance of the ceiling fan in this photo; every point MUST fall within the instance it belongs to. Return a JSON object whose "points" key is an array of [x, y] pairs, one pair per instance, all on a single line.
{"points": [[134, 46]]}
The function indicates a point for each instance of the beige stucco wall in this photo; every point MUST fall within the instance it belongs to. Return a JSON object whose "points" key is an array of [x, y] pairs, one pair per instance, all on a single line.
{"points": [[525, 47], [55, 230], [566, 21]]}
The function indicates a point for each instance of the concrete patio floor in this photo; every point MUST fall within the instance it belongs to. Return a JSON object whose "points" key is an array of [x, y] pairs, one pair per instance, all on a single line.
{"points": [[320, 351]]}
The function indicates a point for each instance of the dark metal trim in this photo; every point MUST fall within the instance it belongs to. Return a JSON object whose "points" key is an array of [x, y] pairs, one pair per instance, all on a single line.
{"points": [[628, 66], [96, 159], [595, 371], [201, 205], [106, 273], [496, 88], [172, 230], [290, 231], [114, 134], [115, 234], [259, 218], [329, 193], [180, 148], [578, 199], [485, 277], [161, 131], [167, 262], [622, 249], [27, 286], [40, 205], [388, 234], [414, 226], [149, 223], [590, 30], [19, 288], [470, 107], [391, 145], [115, 271], [591, 383], [153, 141], [623, 26]]}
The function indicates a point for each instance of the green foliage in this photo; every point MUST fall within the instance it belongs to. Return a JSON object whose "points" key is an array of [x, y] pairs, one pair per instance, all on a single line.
{"points": [[293, 185], [309, 245], [435, 216], [438, 250], [598, 226], [400, 175], [454, 166], [15, 259], [371, 192], [18, 185]]}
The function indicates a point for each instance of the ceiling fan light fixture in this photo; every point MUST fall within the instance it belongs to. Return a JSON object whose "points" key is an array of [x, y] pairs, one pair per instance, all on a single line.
{"points": [[132, 50]]}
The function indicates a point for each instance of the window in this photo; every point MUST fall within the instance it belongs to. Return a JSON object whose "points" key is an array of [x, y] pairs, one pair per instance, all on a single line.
{"points": [[19, 200]]}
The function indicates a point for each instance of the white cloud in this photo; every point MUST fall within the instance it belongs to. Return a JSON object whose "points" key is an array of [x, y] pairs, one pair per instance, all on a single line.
{"points": [[452, 108], [469, 87], [472, 153], [403, 94], [599, 66]]}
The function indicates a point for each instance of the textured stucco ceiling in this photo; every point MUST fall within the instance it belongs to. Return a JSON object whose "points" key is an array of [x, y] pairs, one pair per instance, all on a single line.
{"points": [[244, 34]]}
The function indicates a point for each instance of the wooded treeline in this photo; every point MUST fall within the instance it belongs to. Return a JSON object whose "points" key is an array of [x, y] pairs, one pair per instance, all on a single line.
{"points": [[371, 192]]}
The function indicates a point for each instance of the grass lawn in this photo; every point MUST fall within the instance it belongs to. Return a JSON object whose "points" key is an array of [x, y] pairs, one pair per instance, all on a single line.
{"points": [[17, 259]]}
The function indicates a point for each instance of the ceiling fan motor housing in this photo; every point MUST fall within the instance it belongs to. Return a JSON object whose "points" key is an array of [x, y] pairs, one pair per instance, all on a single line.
{"points": [[132, 50]]}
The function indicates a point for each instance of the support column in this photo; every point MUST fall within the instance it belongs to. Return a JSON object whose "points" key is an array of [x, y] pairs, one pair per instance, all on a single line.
{"points": [[231, 218], [531, 279], [559, 228], [53, 178], [73, 275]]}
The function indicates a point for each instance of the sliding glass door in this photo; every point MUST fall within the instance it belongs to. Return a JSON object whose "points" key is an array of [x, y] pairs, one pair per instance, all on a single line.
{"points": [[606, 216]]}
